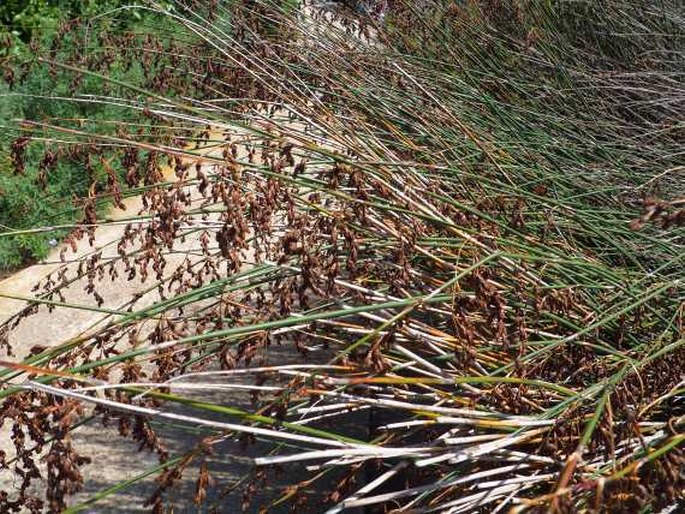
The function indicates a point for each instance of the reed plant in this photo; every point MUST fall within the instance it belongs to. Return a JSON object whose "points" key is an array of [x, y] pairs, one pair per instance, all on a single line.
{"points": [[440, 246]]}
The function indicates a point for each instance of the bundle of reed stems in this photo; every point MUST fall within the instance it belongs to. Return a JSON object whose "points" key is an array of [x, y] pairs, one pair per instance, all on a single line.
{"points": [[411, 240]]}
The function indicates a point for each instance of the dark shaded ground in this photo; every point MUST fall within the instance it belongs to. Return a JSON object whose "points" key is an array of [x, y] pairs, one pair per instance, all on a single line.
{"points": [[229, 464]]}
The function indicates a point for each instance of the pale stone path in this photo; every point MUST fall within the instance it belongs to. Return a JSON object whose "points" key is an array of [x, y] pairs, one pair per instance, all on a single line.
{"points": [[115, 459], [63, 323]]}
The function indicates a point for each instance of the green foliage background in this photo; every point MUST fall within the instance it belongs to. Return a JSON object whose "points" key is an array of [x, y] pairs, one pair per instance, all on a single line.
{"points": [[26, 28], [34, 90]]}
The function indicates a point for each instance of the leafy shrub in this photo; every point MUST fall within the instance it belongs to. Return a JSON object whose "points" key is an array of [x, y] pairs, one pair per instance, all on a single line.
{"points": [[38, 89]]}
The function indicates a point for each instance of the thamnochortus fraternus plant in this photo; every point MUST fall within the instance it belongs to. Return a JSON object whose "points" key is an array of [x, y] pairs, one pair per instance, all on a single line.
{"points": [[421, 245]]}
